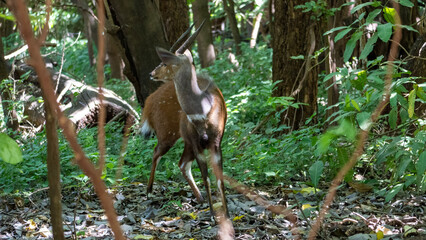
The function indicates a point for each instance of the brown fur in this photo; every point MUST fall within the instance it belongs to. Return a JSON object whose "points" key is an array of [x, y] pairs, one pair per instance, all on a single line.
{"points": [[165, 116]]}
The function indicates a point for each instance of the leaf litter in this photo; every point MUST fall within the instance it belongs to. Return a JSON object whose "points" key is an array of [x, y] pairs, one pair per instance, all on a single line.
{"points": [[173, 213]]}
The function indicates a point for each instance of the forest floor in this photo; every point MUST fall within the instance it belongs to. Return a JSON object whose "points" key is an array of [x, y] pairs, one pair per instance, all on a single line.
{"points": [[173, 213]]}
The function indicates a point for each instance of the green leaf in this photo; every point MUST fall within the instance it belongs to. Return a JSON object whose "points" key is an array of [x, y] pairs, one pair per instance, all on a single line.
{"points": [[324, 141], [356, 106], [341, 34], [7, 17], [385, 31], [335, 29], [357, 7], [409, 180], [409, 28], [363, 119], [360, 80], [389, 14], [403, 116], [347, 129], [361, 16], [298, 57], [421, 168], [315, 172], [421, 93], [402, 166], [393, 100], [395, 190], [393, 117], [331, 75], [350, 46], [9, 150], [411, 100], [421, 164], [270, 174], [369, 46], [372, 15], [406, 3]]}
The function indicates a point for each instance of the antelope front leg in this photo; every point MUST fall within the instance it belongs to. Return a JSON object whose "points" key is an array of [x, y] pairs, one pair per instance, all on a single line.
{"points": [[159, 151], [217, 166], [185, 165], [202, 164]]}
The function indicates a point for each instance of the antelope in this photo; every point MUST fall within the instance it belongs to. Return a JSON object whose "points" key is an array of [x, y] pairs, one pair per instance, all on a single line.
{"points": [[190, 106]]}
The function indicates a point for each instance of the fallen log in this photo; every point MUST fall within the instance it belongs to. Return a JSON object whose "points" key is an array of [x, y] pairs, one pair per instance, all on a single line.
{"points": [[79, 101]]}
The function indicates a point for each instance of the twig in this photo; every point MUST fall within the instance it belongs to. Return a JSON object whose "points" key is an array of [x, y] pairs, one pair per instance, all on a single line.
{"points": [[60, 71], [16, 51], [100, 73], [19, 9], [363, 135]]}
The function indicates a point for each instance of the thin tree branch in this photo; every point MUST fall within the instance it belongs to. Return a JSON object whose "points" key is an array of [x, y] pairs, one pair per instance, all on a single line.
{"points": [[100, 73], [363, 135], [19, 9]]}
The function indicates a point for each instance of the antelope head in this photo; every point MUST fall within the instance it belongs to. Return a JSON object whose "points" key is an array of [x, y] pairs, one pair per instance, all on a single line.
{"points": [[166, 72]]}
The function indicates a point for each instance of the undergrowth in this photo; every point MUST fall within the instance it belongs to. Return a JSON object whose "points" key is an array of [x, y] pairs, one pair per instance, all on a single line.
{"points": [[260, 158]]}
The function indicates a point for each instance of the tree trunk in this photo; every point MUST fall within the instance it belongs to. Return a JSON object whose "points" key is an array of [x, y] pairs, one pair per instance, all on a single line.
{"points": [[54, 173], [90, 27], [200, 9], [138, 28], [335, 57], [6, 97], [114, 57], [294, 34], [255, 32], [230, 12], [175, 18]]}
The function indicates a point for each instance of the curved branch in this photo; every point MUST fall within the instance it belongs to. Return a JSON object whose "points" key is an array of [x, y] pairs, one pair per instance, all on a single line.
{"points": [[20, 11], [363, 135]]}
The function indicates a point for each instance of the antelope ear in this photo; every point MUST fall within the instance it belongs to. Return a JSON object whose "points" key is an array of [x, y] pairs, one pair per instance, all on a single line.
{"points": [[167, 57]]}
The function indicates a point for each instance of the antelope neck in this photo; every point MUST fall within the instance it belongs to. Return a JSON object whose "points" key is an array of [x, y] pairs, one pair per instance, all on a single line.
{"points": [[194, 102]]}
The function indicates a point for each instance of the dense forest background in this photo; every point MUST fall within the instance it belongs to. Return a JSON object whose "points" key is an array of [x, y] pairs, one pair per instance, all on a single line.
{"points": [[325, 100]]}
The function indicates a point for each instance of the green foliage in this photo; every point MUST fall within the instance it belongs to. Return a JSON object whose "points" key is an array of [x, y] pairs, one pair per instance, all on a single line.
{"points": [[315, 172], [254, 149], [320, 9], [383, 30], [9, 150], [394, 156]]}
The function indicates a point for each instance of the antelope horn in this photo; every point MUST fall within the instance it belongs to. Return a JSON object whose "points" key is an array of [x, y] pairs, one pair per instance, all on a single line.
{"points": [[190, 40], [175, 45]]}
